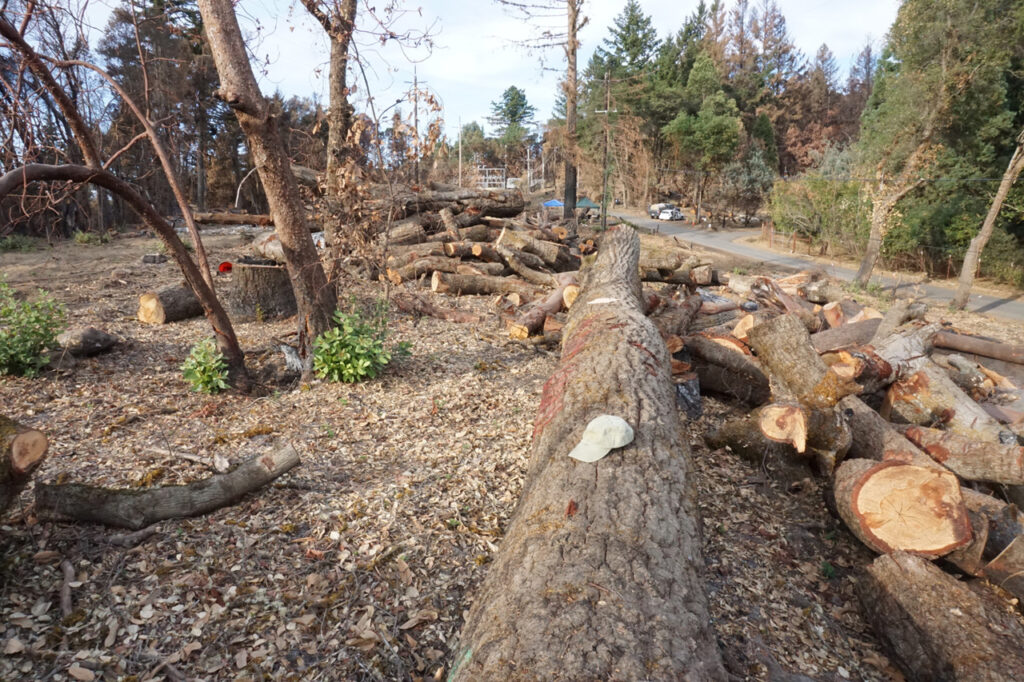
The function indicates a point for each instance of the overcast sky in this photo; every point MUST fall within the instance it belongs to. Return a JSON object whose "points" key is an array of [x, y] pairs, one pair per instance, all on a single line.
{"points": [[475, 55]]}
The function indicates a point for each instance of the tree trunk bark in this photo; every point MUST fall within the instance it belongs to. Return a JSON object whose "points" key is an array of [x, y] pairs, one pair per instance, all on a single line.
{"points": [[935, 627], [977, 245], [169, 304], [315, 297], [447, 283], [969, 458], [929, 396], [132, 508], [261, 292], [571, 47], [1007, 352], [598, 576], [21, 451]]}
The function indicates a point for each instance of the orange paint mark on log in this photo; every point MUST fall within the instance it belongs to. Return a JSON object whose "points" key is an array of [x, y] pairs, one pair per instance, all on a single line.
{"points": [[570, 510], [267, 461], [551, 398], [652, 365]]}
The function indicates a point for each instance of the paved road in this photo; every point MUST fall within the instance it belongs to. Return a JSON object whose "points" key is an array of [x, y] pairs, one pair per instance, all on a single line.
{"points": [[726, 241]]}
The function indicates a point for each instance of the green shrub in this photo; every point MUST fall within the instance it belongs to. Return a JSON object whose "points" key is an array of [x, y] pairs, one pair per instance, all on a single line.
{"points": [[27, 330], [18, 242], [353, 349], [90, 238], [205, 368]]}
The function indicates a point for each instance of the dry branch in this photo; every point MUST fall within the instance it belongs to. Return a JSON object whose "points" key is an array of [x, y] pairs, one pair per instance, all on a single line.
{"points": [[139, 508]]}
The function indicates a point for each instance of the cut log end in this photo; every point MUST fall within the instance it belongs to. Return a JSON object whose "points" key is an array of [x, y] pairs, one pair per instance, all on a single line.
{"points": [[785, 424], [893, 506], [27, 449], [168, 305]]}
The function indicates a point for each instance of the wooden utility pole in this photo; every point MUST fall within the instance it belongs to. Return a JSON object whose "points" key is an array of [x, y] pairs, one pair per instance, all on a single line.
{"points": [[607, 111], [571, 46]]}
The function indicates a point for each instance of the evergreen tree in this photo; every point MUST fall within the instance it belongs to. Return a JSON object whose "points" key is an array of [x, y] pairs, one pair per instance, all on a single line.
{"points": [[512, 114]]}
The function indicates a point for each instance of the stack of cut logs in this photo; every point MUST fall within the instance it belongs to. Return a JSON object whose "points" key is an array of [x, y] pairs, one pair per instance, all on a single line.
{"points": [[924, 461], [922, 450]]}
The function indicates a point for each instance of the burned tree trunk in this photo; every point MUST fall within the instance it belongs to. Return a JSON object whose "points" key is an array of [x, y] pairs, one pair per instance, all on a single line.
{"points": [[598, 576], [315, 297]]}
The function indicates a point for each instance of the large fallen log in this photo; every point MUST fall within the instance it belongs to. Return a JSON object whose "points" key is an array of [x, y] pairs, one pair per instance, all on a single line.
{"points": [[928, 397], [169, 304], [21, 451], [935, 627], [227, 218], [728, 372], [554, 255], [133, 508], [449, 283], [599, 574]]}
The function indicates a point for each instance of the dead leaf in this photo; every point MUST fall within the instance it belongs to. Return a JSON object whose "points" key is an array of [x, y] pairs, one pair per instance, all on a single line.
{"points": [[46, 556], [79, 673], [417, 617], [13, 646]]}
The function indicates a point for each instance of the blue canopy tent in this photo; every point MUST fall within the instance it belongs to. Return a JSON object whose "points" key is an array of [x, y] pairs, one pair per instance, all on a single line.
{"points": [[553, 203]]}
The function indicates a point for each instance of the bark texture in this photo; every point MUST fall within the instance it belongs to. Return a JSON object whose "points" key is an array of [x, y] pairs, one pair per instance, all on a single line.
{"points": [[935, 627], [598, 577], [315, 297], [260, 292]]}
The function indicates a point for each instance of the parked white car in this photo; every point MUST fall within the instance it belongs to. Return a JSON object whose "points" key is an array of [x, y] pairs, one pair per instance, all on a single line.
{"points": [[654, 210], [670, 214]]}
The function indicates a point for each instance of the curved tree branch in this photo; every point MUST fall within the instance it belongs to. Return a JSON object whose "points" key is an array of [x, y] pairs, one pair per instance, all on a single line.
{"points": [[227, 343]]}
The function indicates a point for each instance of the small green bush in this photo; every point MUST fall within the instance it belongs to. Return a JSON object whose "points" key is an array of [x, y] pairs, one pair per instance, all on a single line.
{"points": [[27, 330], [205, 368], [90, 238], [353, 350], [18, 242]]}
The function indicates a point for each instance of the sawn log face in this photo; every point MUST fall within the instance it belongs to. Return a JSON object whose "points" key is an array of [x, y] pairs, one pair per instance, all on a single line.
{"points": [[598, 576]]}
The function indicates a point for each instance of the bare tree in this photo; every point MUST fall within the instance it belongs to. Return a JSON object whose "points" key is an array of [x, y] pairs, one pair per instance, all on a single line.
{"points": [[548, 37], [973, 255], [316, 298], [338, 19], [94, 172]]}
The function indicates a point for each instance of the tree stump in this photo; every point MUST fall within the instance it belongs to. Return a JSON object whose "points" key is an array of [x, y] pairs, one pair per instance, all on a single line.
{"points": [[169, 304], [21, 451], [260, 291], [598, 576]]}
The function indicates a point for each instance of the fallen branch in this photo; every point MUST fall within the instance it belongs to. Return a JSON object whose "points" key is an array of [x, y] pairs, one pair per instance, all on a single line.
{"points": [[136, 509]]}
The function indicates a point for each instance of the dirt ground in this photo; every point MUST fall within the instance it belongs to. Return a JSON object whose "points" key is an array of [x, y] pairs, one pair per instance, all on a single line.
{"points": [[360, 563]]}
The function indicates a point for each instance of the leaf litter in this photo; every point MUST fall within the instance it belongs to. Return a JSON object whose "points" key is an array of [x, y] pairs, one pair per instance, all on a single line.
{"points": [[360, 563]]}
